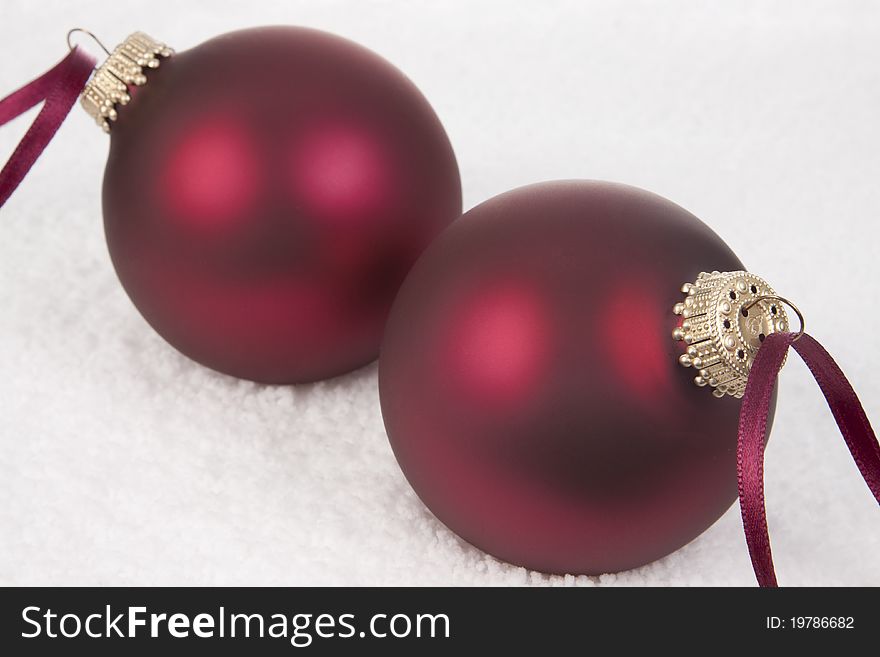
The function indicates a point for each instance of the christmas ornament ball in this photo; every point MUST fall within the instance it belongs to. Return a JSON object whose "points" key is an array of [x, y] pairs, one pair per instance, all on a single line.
{"points": [[266, 193], [531, 389]]}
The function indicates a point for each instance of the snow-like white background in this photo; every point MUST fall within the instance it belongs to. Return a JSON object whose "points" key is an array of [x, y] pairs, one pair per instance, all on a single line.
{"points": [[121, 462]]}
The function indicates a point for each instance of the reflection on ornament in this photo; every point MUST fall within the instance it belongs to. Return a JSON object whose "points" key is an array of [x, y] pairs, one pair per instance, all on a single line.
{"points": [[498, 343], [213, 173], [341, 172]]}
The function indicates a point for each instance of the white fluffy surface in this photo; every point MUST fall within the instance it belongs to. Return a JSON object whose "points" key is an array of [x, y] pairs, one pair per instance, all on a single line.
{"points": [[121, 462]]}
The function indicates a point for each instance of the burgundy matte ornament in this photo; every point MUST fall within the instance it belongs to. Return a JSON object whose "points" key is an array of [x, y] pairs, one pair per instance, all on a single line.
{"points": [[266, 193], [531, 389]]}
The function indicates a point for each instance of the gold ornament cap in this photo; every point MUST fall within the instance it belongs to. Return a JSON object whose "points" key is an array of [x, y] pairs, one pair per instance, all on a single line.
{"points": [[725, 318], [107, 89]]}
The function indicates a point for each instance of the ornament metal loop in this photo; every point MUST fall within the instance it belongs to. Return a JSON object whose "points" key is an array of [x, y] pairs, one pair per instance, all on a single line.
{"points": [[774, 297], [88, 33]]}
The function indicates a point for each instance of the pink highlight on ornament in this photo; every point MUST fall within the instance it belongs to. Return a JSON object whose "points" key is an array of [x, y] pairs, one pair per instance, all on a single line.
{"points": [[499, 343], [342, 172], [213, 175], [639, 349], [262, 321]]}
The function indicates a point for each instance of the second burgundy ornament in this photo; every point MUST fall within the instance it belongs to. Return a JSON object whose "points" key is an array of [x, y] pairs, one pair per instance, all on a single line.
{"points": [[265, 194], [532, 390]]}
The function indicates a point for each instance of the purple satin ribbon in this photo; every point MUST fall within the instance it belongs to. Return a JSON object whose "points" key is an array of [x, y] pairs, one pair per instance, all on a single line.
{"points": [[845, 407], [59, 87]]}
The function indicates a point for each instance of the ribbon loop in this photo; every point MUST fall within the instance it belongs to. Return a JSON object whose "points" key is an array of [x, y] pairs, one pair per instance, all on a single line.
{"points": [[847, 411], [59, 87]]}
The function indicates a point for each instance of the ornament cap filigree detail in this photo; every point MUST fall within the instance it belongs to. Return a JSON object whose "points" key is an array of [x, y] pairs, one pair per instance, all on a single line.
{"points": [[725, 318], [107, 90]]}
